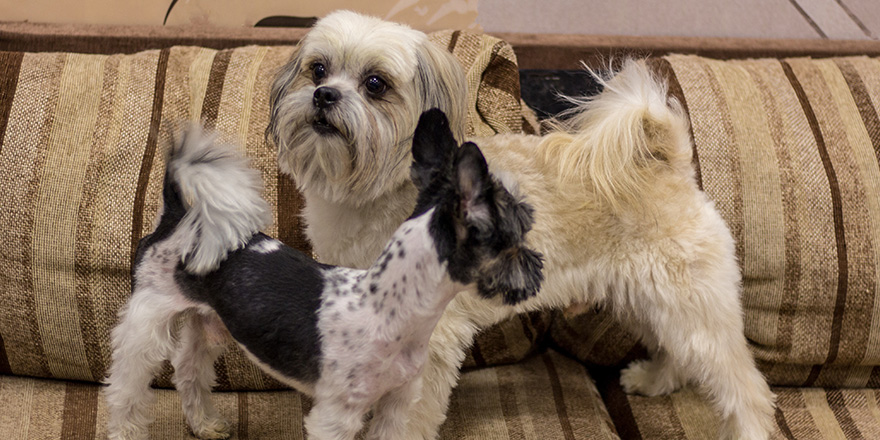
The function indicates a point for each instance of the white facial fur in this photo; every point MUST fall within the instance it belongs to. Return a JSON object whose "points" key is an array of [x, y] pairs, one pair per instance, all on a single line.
{"points": [[370, 154]]}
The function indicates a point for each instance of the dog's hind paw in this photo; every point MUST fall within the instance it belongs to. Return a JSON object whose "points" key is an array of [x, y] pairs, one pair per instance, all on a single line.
{"points": [[212, 429], [649, 378]]}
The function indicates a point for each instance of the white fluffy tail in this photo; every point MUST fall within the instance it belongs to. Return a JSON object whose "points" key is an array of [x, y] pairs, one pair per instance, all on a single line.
{"points": [[615, 139], [221, 196]]}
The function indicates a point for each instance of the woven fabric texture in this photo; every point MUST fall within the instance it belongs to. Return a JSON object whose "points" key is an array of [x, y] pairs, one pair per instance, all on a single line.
{"points": [[82, 154], [548, 396]]}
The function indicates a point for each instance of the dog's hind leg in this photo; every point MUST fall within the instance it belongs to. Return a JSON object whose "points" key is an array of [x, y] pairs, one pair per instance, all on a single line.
{"points": [[652, 377], [202, 341], [141, 342], [702, 336]]}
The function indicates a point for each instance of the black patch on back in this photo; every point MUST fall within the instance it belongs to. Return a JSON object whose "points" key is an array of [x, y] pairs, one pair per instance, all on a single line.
{"points": [[269, 303]]}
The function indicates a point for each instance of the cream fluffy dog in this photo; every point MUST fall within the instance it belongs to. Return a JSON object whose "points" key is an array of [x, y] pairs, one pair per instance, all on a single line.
{"points": [[618, 215]]}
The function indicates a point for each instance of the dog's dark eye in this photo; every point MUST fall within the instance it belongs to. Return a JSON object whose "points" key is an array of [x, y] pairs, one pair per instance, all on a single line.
{"points": [[375, 85], [318, 71]]}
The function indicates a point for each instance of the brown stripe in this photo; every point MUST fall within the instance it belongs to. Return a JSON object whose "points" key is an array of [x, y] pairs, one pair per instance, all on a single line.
{"points": [[502, 73], [837, 209], [783, 425], [663, 67], [556, 387], [874, 379], [453, 41], [863, 103], [82, 265], [214, 91], [607, 381], [10, 64], [80, 411], [477, 354], [242, 416], [291, 229], [137, 221], [841, 413]]}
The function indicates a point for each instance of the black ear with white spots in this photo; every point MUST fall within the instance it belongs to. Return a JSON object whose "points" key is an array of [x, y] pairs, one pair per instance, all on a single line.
{"points": [[433, 147], [516, 275], [473, 183]]}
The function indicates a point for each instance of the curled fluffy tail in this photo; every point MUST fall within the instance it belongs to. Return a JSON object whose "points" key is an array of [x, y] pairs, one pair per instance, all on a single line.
{"points": [[617, 139], [220, 195]]}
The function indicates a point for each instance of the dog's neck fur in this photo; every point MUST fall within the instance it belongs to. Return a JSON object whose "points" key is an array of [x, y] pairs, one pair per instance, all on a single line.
{"points": [[353, 234]]}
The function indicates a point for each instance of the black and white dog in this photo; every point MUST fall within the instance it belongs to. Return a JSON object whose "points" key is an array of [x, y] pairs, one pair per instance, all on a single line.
{"points": [[353, 339]]}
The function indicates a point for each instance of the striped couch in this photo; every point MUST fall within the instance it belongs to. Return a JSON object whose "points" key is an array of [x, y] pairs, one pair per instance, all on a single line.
{"points": [[787, 146]]}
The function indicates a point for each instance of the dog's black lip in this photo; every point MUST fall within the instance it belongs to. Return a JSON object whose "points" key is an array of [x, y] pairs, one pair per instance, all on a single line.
{"points": [[321, 125]]}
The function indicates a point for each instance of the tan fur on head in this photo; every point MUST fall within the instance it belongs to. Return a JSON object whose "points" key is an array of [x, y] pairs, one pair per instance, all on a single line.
{"points": [[369, 154]]}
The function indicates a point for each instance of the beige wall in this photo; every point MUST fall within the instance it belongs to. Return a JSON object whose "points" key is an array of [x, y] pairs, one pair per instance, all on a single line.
{"points": [[422, 14]]}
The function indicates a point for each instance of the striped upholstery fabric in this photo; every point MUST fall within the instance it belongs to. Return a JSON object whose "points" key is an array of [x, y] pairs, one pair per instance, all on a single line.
{"points": [[548, 396], [82, 142], [788, 150], [803, 413]]}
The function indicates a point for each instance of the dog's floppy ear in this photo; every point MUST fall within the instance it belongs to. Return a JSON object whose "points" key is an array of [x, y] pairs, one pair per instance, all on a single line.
{"points": [[473, 182], [440, 82], [279, 88], [433, 147]]}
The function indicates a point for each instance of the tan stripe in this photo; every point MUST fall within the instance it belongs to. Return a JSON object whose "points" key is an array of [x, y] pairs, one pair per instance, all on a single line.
{"points": [[199, 73], [763, 246], [47, 408], [16, 399], [276, 415], [863, 421], [713, 131], [817, 406], [698, 420], [22, 162], [656, 417], [480, 406], [507, 395], [869, 421], [587, 415], [59, 196]]}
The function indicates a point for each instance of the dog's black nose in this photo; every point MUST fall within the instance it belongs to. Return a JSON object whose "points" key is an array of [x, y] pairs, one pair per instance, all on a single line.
{"points": [[326, 96]]}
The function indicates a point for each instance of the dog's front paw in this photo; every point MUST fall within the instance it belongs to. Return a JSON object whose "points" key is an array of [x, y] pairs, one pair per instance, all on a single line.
{"points": [[649, 378], [212, 429]]}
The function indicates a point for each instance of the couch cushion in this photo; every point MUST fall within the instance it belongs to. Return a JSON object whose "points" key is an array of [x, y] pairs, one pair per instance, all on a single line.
{"points": [[547, 396], [82, 148], [788, 150], [803, 413]]}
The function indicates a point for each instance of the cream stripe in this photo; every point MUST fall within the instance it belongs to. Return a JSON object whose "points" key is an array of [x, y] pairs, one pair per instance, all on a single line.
{"points": [[16, 399], [763, 217], [865, 158], [47, 410], [254, 61], [56, 213], [479, 405], [862, 409], [871, 405], [586, 410], [698, 420], [199, 72], [817, 405]]}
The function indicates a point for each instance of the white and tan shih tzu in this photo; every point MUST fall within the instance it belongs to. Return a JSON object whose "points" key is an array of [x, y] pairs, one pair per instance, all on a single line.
{"points": [[619, 217]]}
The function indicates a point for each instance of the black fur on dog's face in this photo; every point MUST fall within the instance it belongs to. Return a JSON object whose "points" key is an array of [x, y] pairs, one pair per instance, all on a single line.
{"points": [[480, 230]]}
